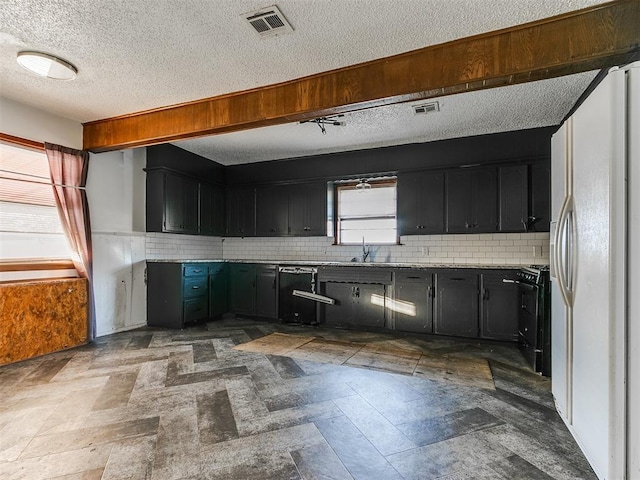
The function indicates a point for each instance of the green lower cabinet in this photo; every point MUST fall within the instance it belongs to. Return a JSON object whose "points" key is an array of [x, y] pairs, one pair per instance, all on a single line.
{"points": [[218, 304]]}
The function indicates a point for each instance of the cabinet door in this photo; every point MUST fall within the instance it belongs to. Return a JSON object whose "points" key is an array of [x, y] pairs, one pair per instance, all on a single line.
{"points": [[413, 307], [458, 201], [211, 209], [369, 305], [484, 200], [514, 198], [341, 312], [266, 291], [472, 200], [421, 203], [242, 288], [180, 204], [272, 203], [540, 197], [308, 209], [456, 304], [240, 212], [500, 307], [217, 290]]}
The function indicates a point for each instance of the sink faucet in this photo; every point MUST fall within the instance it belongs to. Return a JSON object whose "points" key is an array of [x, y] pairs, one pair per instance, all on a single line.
{"points": [[366, 250]]}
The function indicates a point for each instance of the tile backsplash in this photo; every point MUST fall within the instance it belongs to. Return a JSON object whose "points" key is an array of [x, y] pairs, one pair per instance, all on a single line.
{"points": [[166, 246], [484, 249]]}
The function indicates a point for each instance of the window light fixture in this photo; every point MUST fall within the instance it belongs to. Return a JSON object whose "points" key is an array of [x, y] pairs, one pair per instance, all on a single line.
{"points": [[46, 65]]}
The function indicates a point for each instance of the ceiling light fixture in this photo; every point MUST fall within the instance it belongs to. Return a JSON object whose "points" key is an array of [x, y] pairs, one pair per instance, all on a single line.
{"points": [[322, 121], [45, 65], [363, 184]]}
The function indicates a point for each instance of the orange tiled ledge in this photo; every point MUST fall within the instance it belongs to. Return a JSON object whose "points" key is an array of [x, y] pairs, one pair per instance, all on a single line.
{"points": [[40, 317]]}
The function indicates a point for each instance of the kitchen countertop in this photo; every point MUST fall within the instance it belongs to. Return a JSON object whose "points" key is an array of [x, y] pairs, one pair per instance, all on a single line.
{"points": [[351, 264]]}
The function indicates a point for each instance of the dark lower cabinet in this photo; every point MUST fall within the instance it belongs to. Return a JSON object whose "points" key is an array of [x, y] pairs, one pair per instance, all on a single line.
{"points": [[218, 289], [253, 290], [500, 306], [456, 304], [412, 306], [177, 293], [355, 304], [267, 291], [242, 288]]}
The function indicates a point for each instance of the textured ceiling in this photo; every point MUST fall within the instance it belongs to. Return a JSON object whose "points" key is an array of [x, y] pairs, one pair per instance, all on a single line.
{"points": [[134, 55]]}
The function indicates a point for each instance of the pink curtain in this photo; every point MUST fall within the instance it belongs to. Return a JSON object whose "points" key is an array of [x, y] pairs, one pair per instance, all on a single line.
{"points": [[68, 170]]}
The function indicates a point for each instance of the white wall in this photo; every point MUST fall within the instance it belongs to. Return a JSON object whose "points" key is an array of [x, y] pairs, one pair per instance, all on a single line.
{"points": [[32, 123], [116, 193]]}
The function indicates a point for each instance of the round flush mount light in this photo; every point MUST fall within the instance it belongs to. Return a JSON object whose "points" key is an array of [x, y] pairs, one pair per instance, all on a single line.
{"points": [[45, 65]]}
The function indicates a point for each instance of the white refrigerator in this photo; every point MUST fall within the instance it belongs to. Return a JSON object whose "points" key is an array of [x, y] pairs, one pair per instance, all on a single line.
{"points": [[595, 244]]}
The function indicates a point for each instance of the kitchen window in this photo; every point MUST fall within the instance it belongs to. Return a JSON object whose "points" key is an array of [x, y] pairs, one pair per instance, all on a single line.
{"points": [[30, 229], [366, 212]]}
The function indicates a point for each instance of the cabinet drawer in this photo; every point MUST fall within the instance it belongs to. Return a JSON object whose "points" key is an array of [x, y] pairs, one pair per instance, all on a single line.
{"points": [[194, 309], [195, 269], [413, 276], [194, 287], [216, 268], [355, 275]]}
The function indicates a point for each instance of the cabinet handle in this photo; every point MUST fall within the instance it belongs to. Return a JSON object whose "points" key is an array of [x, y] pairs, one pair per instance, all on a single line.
{"points": [[485, 294], [457, 279], [195, 287], [197, 271], [416, 278], [420, 227], [431, 292]]}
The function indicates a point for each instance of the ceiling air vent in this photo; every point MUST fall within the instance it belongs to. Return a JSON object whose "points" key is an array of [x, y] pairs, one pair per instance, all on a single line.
{"points": [[426, 108], [268, 21]]}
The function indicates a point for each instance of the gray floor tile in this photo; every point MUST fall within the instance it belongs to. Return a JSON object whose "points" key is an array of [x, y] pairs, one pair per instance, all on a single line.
{"points": [[437, 429], [360, 457], [184, 405]]}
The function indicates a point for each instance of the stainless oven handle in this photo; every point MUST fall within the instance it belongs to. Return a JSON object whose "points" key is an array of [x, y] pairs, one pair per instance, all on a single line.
{"points": [[507, 280]]}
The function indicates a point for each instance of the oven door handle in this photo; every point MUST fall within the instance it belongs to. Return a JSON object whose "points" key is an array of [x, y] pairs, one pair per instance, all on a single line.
{"points": [[507, 280]]}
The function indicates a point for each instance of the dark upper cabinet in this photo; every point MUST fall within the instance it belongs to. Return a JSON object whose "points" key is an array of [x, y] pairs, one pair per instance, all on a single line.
{"points": [[212, 211], [308, 209], [471, 200], [514, 198], [240, 212], [272, 203], [420, 203], [500, 306], [295, 209], [540, 181], [172, 203], [456, 307]]}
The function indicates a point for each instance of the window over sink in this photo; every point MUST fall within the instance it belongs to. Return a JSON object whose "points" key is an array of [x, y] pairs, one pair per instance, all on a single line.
{"points": [[366, 212]]}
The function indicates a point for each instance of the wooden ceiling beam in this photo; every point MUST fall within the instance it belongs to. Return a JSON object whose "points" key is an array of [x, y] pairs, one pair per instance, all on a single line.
{"points": [[589, 39]]}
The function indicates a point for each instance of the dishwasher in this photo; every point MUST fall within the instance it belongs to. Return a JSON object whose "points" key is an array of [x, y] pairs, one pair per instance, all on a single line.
{"points": [[295, 295]]}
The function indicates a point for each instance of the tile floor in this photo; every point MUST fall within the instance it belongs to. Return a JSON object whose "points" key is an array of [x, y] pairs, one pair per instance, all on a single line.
{"points": [[162, 405]]}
